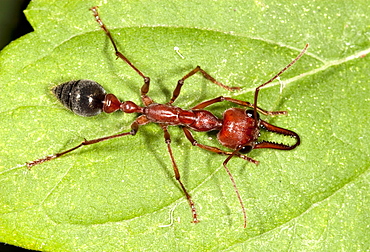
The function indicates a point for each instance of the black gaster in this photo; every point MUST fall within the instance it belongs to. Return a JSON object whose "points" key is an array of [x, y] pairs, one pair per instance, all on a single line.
{"points": [[82, 97]]}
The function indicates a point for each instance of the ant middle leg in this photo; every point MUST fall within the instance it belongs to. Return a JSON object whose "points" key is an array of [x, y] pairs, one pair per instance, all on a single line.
{"points": [[177, 90], [247, 104], [141, 120], [167, 138]]}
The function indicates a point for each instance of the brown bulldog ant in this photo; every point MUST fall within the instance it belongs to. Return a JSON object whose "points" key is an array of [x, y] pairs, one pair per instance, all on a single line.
{"points": [[238, 129]]}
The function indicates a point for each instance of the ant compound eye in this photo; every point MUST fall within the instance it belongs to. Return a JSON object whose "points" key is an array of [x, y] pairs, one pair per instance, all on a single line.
{"points": [[83, 97], [245, 149], [250, 113]]}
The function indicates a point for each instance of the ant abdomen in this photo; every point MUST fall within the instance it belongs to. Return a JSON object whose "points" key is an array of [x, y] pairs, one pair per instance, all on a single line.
{"points": [[82, 97]]}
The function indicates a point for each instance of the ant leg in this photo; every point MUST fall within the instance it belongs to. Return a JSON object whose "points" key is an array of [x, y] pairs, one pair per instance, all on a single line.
{"points": [[247, 104], [194, 142], [177, 173], [190, 137], [145, 87], [239, 102], [177, 90], [141, 120]]}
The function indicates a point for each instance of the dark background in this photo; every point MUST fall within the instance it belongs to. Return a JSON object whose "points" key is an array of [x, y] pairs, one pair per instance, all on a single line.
{"points": [[13, 24]]}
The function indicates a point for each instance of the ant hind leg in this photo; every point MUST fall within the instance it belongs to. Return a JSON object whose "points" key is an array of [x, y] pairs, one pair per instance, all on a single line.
{"points": [[167, 138], [134, 128], [145, 87]]}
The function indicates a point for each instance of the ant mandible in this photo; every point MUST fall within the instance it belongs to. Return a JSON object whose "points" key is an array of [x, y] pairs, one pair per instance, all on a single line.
{"points": [[238, 129]]}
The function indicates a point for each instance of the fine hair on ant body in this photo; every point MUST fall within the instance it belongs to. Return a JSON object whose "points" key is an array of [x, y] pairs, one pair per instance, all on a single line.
{"points": [[238, 129]]}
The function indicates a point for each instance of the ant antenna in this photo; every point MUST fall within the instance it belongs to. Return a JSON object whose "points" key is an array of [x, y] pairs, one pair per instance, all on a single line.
{"points": [[234, 184], [273, 78]]}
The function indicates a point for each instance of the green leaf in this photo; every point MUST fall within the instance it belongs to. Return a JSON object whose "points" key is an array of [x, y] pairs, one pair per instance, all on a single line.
{"points": [[121, 194]]}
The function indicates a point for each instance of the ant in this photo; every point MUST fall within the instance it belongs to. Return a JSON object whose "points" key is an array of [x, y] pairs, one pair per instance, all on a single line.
{"points": [[238, 129]]}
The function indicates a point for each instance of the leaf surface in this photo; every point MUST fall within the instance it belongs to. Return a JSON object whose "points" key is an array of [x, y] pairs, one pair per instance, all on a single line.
{"points": [[121, 195]]}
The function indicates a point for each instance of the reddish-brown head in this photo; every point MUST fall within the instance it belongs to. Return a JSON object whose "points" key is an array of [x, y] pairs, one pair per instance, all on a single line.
{"points": [[239, 130]]}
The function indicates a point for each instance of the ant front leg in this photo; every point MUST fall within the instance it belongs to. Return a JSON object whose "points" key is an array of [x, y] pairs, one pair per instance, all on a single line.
{"points": [[207, 103], [177, 90], [134, 128], [194, 142], [190, 137], [167, 138]]}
